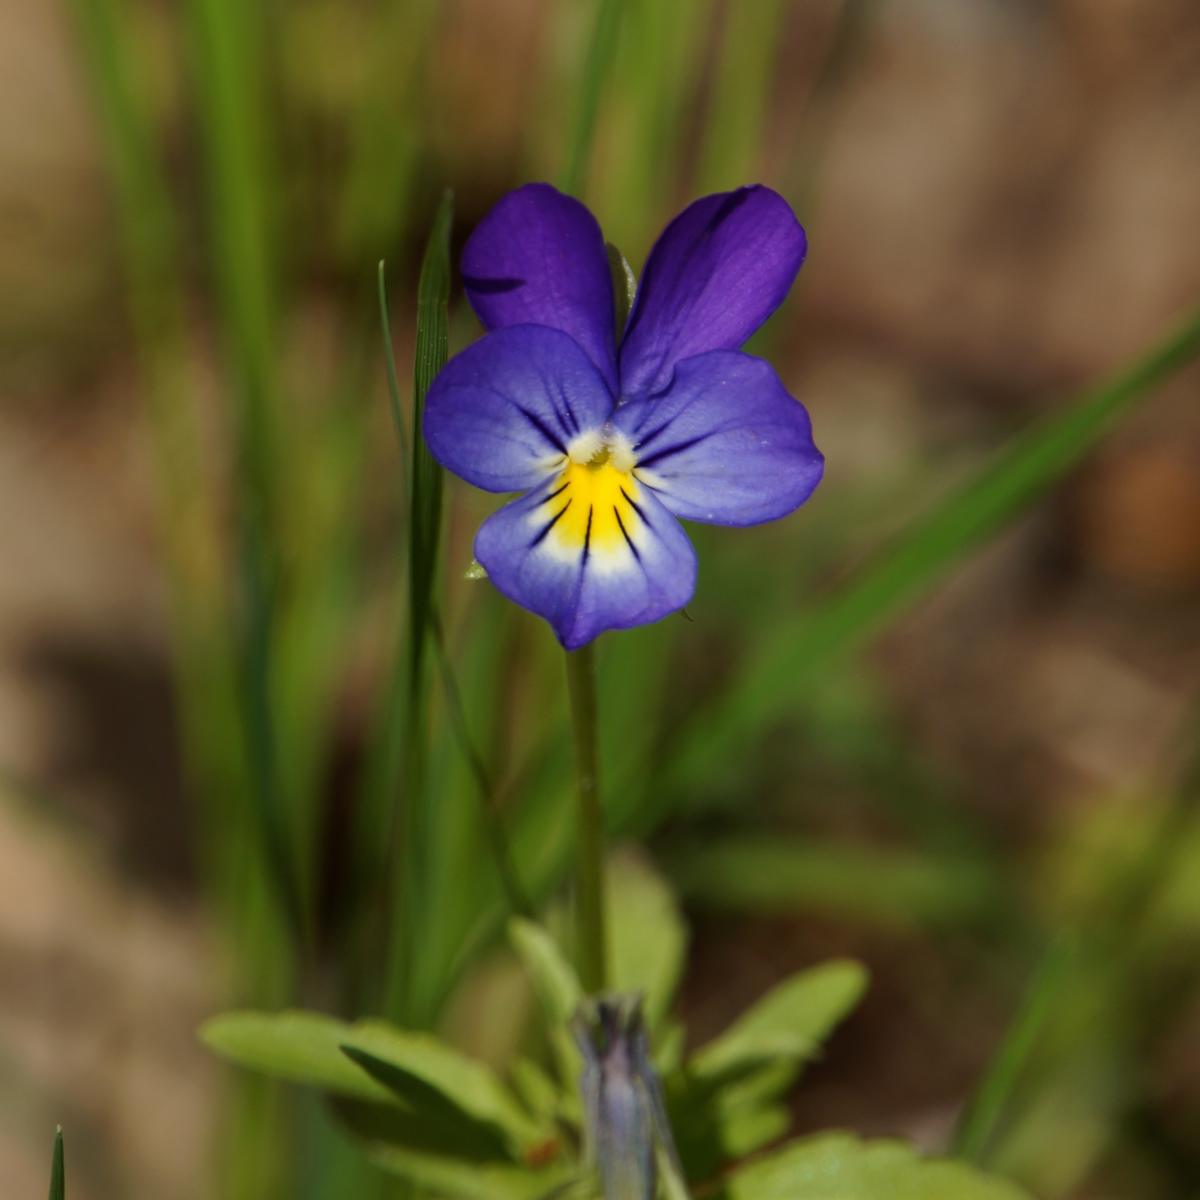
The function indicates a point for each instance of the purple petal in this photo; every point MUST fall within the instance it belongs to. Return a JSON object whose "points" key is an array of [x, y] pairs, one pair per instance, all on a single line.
{"points": [[503, 413], [725, 443], [718, 271], [538, 259], [587, 565]]}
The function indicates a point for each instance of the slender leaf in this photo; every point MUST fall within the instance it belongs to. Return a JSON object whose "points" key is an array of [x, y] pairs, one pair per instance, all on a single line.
{"points": [[601, 51], [750, 46], [982, 1115], [757, 873], [411, 987], [840, 1167], [58, 1171]]}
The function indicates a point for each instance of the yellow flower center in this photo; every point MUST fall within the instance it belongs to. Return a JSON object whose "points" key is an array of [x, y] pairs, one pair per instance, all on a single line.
{"points": [[594, 510]]}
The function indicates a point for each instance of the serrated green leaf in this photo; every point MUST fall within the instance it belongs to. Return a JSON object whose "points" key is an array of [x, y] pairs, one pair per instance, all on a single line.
{"points": [[58, 1174], [784, 1027], [418, 1068], [301, 1047], [648, 938], [840, 1167]]}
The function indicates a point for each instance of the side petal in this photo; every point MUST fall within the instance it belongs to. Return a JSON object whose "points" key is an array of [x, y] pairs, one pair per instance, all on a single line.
{"points": [[587, 576], [725, 443], [503, 413], [538, 258], [716, 273]]}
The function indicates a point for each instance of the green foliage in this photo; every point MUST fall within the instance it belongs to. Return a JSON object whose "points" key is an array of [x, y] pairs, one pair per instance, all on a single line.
{"points": [[58, 1172], [301, 1047], [840, 1167], [647, 936], [784, 1026], [888, 886]]}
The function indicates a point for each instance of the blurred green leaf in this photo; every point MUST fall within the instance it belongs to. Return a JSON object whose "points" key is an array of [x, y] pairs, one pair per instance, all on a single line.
{"points": [[537, 1089], [600, 53], [757, 873], [559, 993], [749, 48], [794, 652], [554, 979], [750, 1128], [840, 1167], [58, 1173], [413, 986], [415, 1066], [647, 935], [301, 1047], [786, 1025], [444, 1177]]}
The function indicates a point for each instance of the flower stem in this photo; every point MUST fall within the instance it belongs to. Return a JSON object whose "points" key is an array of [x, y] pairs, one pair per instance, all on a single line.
{"points": [[591, 935]]}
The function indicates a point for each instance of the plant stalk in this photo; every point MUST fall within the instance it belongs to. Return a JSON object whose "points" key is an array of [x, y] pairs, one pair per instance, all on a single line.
{"points": [[591, 947]]}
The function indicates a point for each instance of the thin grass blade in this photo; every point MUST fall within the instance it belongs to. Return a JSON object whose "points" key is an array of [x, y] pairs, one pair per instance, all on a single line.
{"points": [[58, 1173], [415, 834], [602, 48]]}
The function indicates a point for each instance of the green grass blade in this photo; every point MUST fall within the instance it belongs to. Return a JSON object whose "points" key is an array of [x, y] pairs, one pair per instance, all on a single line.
{"points": [[602, 48], [485, 786], [389, 355], [982, 1116], [735, 123], [415, 833], [58, 1174], [432, 351], [788, 659]]}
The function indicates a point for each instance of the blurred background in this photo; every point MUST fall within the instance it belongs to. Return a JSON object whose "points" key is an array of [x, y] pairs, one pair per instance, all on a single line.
{"points": [[203, 565]]}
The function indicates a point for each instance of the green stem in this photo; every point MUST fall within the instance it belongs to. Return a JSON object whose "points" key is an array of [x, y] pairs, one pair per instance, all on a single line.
{"points": [[592, 938]]}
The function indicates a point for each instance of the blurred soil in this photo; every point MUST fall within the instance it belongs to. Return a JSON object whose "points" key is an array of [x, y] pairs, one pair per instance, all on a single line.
{"points": [[1006, 207]]}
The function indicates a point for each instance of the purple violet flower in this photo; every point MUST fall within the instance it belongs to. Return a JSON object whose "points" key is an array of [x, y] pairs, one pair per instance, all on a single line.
{"points": [[614, 434]]}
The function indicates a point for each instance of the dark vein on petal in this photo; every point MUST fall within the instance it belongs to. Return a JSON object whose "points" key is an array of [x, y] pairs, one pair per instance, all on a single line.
{"points": [[542, 428], [637, 508], [587, 535], [625, 533], [679, 448], [558, 491], [550, 524]]}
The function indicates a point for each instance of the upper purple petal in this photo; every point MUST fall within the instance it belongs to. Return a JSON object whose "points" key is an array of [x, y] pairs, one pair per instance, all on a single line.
{"points": [[715, 274], [502, 413], [538, 258], [725, 443]]}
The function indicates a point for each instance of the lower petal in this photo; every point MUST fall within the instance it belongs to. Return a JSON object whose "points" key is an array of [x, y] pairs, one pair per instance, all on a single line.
{"points": [[589, 558]]}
